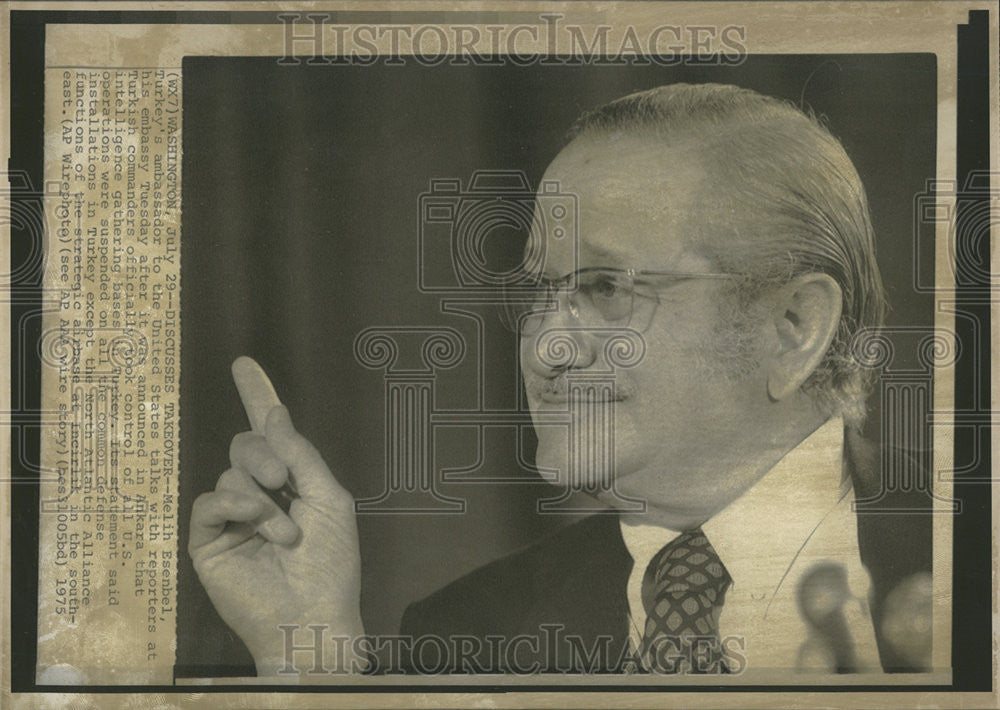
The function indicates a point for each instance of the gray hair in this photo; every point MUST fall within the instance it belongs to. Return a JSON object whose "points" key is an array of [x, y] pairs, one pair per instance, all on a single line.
{"points": [[794, 204]]}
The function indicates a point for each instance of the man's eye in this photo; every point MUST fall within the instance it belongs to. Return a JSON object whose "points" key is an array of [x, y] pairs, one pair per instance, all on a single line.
{"points": [[605, 288]]}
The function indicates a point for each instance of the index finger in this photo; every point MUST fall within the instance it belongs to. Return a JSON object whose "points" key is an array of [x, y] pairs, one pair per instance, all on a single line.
{"points": [[256, 391]]}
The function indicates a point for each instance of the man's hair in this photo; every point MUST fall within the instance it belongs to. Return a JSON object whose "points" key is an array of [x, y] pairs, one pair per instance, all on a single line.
{"points": [[792, 203]]}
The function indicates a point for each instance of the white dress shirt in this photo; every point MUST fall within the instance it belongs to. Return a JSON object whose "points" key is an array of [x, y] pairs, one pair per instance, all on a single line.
{"points": [[798, 515]]}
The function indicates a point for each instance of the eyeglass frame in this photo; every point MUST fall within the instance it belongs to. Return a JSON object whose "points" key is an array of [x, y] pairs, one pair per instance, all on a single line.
{"points": [[554, 286]]}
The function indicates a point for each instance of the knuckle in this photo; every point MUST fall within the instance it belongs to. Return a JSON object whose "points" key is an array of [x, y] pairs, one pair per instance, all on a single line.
{"points": [[273, 471], [199, 505], [243, 444], [228, 478]]}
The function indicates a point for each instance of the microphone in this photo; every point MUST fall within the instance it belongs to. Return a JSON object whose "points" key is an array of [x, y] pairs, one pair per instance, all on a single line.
{"points": [[907, 621], [822, 595]]}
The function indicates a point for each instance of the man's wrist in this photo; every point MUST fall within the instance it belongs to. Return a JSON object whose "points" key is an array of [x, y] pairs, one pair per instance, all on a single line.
{"points": [[302, 651]]}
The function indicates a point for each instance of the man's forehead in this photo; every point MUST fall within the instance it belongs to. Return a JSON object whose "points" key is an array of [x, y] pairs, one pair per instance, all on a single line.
{"points": [[617, 164], [638, 199]]}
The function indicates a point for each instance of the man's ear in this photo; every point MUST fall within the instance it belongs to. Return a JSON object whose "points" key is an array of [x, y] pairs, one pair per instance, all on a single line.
{"points": [[806, 315]]}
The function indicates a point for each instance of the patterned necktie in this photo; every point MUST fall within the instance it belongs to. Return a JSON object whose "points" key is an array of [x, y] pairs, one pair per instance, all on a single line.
{"points": [[683, 591]]}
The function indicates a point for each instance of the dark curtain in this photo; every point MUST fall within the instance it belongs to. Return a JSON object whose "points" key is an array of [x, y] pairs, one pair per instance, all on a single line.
{"points": [[300, 220]]}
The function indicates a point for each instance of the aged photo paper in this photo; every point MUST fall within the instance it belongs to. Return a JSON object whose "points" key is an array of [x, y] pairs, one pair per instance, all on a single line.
{"points": [[517, 354]]}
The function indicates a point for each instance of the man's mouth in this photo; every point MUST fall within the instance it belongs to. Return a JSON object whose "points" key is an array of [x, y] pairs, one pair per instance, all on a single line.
{"points": [[558, 390]]}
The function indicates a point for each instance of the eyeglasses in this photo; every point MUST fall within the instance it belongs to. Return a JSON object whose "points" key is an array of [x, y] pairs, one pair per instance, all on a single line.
{"points": [[598, 297]]}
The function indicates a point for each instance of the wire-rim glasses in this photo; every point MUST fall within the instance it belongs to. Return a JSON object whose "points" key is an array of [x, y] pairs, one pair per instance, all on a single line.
{"points": [[597, 297]]}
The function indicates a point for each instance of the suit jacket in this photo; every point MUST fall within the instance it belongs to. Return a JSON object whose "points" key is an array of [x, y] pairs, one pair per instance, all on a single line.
{"points": [[560, 604]]}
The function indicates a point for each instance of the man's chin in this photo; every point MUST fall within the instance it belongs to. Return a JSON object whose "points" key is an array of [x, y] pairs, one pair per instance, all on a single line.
{"points": [[552, 461]]}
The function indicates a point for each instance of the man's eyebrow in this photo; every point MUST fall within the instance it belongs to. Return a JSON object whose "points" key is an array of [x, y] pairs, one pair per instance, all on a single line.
{"points": [[599, 256], [588, 255]]}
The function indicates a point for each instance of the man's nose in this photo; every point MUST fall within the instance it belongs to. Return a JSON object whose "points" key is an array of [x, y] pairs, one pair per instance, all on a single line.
{"points": [[560, 343]]}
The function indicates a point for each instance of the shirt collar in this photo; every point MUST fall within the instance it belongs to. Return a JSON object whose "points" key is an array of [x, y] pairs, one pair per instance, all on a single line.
{"points": [[758, 534]]}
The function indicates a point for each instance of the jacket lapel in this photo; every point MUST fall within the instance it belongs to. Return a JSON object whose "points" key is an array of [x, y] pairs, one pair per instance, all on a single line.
{"points": [[580, 604]]}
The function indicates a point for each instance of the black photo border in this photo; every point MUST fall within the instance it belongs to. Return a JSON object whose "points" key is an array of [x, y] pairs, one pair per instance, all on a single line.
{"points": [[972, 630]]}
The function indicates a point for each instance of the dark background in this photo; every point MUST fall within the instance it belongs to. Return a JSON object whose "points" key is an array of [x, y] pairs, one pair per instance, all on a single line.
{"points": [[300, 223]]}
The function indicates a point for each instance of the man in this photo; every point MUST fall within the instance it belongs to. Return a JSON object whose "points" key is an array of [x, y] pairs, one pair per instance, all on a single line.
{"points": [[728, 235]]}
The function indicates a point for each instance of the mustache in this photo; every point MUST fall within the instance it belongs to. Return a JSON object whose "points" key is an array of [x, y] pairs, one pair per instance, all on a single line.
{"points": [[562, 387]]}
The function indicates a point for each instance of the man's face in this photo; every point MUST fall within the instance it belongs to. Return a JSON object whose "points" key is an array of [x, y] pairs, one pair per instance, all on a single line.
{"points": [[680, 415]]}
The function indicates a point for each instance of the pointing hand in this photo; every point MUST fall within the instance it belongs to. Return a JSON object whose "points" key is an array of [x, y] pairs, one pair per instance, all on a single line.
{"points": [[263, 568]]}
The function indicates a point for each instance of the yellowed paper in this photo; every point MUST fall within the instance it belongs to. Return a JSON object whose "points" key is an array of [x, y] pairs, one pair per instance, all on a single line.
{"points": [[111, 453]]}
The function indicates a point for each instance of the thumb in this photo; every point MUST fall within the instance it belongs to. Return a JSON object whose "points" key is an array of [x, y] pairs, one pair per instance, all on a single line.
{"points": [[310, 474]]}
